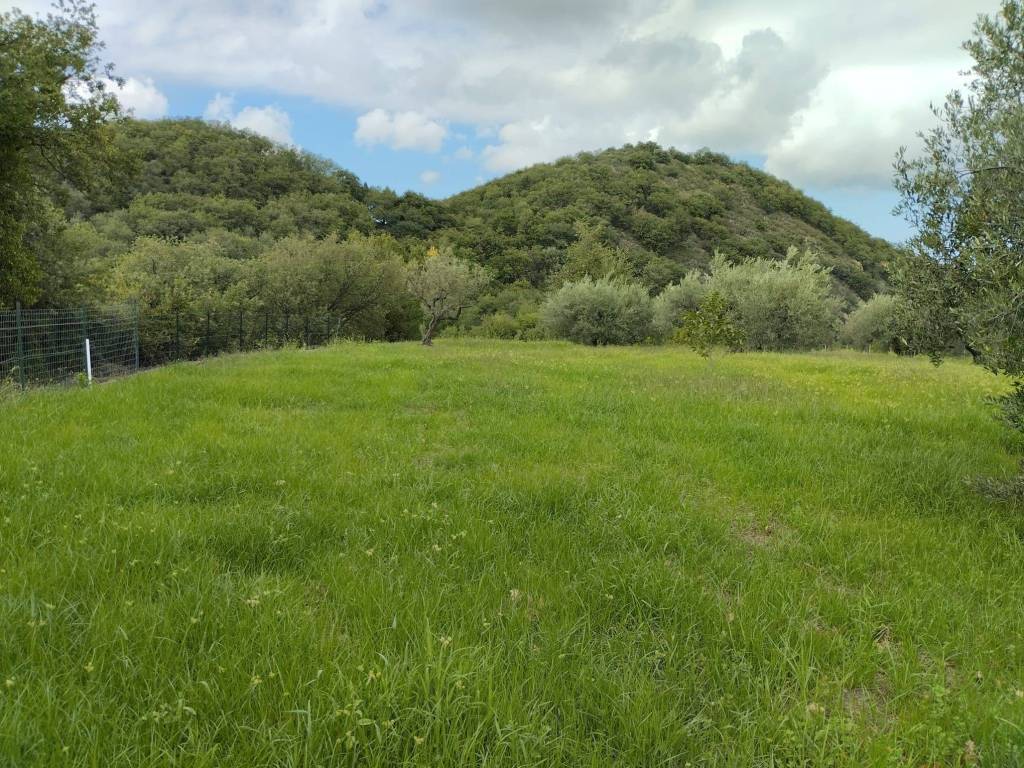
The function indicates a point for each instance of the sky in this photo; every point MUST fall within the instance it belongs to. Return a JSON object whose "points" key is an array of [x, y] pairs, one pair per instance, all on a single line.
{"points": [[438, 96]]}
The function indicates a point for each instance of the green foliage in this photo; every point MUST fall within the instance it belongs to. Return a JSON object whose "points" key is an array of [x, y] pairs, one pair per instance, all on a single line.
{"points": [[358, 282], [665, 211], [444, 285], [671, 303], [499, 325], [317, 214], [711, 326], [599, 312], [164, 277], [54, 106], [407, 216], [874, 325], [964, 278], [779, 304], [355, 286], [193, 157], [190, 177], [590, 256], [507, 312], [640, 213]]}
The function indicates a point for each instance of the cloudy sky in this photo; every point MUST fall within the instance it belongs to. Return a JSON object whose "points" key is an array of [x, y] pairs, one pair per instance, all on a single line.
{"points": [[439, 95]]}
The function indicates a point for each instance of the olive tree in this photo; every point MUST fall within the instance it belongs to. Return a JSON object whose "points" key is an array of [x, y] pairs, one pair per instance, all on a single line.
{"points": [[874, 325], [674, 300], [779, 304], [444, 285], [599, 312], [964, 276]]}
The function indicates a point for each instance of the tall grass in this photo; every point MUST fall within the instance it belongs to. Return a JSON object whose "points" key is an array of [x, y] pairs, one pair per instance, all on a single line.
{"points": [[509, 554]]}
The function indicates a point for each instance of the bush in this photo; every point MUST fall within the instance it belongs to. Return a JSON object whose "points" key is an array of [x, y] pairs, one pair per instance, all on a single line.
{"points": [[599, 312], [873, 325], [671, 303], [353, 287], [779, 304], [500, 325], [510, 312]]}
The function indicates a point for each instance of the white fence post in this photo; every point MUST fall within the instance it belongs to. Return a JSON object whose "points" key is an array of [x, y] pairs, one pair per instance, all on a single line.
{"points": [[88, 361]]}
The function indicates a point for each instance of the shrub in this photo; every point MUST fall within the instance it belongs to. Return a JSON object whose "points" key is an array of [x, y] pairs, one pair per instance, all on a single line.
{"points": [[603, 311], [873, 325], [671, 303], [779, 304], [500, 325]]}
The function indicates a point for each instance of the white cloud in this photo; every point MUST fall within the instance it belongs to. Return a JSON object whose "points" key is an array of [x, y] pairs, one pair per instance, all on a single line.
{"points": [[463, 153], [796, 80], [525, 142], [140, 97], [374, 127], [220, 108], [270, 122], [430, 177], [858, 116], [402, 130]]}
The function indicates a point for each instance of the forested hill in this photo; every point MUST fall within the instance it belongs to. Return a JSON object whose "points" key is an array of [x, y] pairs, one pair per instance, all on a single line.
{"points": [[181, 178], [672, 210], [661, 212]]}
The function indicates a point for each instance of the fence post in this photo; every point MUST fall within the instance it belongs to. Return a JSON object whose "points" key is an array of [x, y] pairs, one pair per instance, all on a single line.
{"points": [[20, 350], [85, 338], [135, 336], [305, 332]]}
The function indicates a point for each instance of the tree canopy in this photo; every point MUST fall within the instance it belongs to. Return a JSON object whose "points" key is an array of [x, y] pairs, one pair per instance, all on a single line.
{"points": [[964, 277], [659, 211], [55, 105]]}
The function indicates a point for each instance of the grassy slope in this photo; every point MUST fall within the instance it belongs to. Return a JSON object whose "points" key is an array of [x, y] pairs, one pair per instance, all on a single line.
{"points": [[539, 554]]}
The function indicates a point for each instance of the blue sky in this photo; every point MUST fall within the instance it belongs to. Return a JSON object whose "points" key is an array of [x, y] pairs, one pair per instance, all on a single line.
{"points": [[440, 95]]}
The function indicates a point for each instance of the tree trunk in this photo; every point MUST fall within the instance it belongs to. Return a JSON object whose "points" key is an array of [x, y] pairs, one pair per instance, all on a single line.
{"points": [[428, 334]]}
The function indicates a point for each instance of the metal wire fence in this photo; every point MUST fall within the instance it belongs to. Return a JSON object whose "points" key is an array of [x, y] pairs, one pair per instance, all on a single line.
{"points": [[55, 346], [49, 346], [189, 334]]}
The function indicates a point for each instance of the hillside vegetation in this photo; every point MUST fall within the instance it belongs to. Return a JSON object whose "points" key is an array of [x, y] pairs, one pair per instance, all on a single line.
{"points": [[510, 555], [662, 211], [669, 210]]}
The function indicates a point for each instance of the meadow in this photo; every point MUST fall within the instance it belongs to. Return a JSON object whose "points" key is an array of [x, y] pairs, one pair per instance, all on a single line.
{"points": [[503, 554]]}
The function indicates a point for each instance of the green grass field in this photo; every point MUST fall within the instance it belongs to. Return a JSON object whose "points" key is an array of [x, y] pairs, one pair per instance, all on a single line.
{"points": [[511, 554]]}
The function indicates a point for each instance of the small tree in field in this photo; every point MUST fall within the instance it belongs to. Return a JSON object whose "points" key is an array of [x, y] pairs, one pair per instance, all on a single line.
{"points": [[710, 326], [444, 285]]}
